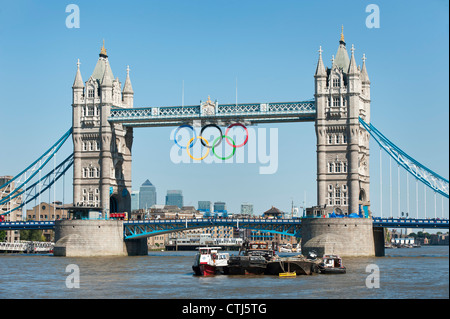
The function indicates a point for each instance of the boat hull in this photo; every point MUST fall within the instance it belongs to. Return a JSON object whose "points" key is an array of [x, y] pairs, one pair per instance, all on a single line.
{"points": [[247, 265], [300, 267], [204, 270], [332, 271]]}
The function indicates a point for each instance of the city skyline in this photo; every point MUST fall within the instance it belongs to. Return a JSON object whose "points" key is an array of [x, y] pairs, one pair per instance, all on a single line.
{"points": [[262, 47]]}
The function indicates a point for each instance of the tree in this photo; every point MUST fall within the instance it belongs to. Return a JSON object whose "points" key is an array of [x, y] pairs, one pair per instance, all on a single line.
{"points": [[32, 235]]}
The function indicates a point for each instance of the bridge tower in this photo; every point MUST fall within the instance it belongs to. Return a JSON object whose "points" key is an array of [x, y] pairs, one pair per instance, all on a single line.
{"points": [[102, 151], [342, 95], [102, 167]]}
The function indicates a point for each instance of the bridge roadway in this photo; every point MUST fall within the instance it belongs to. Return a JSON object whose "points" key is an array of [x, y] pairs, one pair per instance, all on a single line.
{"points": [[144, 228]]}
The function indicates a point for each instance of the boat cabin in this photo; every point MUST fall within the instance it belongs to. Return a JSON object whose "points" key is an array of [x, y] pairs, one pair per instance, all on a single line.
{"points": [[258, 246], [332, 261]]}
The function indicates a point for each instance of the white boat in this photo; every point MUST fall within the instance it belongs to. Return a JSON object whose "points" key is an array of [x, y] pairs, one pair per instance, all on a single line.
{"points": [[208, 262], [332, 264], [285, 249]]}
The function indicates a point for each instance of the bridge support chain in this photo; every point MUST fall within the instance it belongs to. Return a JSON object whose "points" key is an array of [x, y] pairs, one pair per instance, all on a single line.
{"points": [[338, 236], [93, 238]]}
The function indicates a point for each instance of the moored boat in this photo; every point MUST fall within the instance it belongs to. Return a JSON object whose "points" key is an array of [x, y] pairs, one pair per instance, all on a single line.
{"points": [[208, 262], [254, 260], [332, 264]]}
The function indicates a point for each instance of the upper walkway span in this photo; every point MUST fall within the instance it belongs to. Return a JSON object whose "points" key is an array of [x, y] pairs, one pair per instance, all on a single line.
{"points": [[249, 113]]}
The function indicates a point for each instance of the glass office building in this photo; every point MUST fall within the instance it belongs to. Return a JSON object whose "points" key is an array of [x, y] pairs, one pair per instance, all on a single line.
{"points": [[220, 206], [147, 195], [247, 209], [204, 205], [174, 198]]}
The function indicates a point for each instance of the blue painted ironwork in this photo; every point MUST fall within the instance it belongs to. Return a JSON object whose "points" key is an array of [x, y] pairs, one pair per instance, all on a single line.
{"points": [[289, 227], [249, 113], [434, 181], [410, 223], [35, 190], [145, 228], [30, 225], [20, 181]]}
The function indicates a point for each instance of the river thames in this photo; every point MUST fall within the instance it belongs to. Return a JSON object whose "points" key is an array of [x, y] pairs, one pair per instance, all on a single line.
{"points": [[404, 273]]}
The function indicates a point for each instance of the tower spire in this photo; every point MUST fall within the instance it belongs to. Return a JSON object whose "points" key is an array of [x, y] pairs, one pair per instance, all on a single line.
{"points": [[352, 69], [320, 70], [127, 88], [103, 50], [78, 83], [364, 75]]}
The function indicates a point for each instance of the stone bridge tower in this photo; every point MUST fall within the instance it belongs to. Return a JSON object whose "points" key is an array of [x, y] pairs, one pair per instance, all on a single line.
{"points": [[102, 151], [342, 95]]}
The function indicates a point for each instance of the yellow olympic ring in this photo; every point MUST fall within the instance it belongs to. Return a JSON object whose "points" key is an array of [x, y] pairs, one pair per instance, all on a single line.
{"points": [[189, 143]]}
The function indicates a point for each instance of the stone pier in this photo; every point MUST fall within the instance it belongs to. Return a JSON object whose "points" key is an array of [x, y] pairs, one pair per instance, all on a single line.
{"points": [[338, 236], [89, 238]]}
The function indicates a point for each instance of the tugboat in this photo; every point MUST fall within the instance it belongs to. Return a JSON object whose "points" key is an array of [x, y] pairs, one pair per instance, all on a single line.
{"points": [[208, 262], [332, 264], [253, 261]]}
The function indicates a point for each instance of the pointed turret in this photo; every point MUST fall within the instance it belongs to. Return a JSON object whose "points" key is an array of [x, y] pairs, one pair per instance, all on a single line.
{"points": [[127, 88], [101, 66], [341, 60], [352, 68], [127, 92], [364, 75], [320, 70], [107, 79], [78, 83]]}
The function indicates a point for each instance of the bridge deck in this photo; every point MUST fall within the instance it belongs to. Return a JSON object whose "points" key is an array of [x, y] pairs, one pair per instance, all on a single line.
{"points": [[291, 227]]}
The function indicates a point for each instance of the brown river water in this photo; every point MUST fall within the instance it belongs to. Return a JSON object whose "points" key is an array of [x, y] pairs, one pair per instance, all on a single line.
{"points": [[406, 273]]}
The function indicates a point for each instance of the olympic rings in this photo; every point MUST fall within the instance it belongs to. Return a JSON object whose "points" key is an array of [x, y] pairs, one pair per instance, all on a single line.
{"points": [[246, 132], [228, 157], [175, 135], [215, 143], [220, 136], [187, 148]]}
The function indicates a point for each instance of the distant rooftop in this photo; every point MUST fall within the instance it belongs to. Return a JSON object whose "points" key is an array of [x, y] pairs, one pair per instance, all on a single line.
{"points": [[147, 183]]}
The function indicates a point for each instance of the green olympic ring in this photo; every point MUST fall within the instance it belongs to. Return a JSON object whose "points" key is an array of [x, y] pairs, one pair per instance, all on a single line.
{"points": [[214, 145]]}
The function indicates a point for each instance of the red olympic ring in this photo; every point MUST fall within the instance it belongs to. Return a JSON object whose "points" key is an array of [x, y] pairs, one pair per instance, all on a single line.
{"points": [[246, 132]]}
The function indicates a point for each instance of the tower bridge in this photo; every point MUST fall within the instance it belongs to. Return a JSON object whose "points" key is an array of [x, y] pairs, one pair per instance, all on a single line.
{"points": [[103, 119]]}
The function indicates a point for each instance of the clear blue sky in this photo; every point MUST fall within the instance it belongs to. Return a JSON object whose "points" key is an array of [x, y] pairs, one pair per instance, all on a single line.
{"points": [[270, 46]]}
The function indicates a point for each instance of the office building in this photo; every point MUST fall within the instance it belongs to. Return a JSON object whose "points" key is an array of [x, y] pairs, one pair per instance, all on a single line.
{"points": [[147, 195], [134, 200], [247, 209], [204, 206], [220, 207], [174, 198]]}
